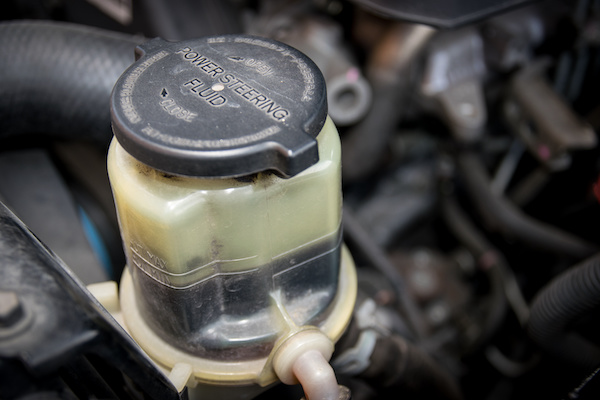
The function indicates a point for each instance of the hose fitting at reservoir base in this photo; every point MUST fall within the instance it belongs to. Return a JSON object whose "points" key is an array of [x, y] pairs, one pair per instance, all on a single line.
{"points": [[225, 171]]}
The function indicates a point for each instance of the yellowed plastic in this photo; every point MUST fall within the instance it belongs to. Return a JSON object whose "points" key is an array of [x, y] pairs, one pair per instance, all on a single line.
{"points": [[178, 228], [182, 232], [256, 372]]}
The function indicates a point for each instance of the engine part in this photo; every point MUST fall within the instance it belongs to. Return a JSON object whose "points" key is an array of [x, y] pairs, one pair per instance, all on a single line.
{"points": [[56, 341], [42, 86], [503, 285], [543, 121], [369, 350], [398, 203], [440, 13], [380, 261], [559, 306], [226, 176], [511, 38], [389, 70], [453, 76], [40, 195], [503, 216], [348, 92]]}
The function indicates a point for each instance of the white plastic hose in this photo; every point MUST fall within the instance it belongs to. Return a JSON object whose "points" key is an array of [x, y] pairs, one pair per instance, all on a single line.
{"points": [[316, 376], [304, 358]]}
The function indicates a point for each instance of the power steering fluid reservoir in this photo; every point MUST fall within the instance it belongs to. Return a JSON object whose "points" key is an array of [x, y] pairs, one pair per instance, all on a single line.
{"points": [[226, 175]]}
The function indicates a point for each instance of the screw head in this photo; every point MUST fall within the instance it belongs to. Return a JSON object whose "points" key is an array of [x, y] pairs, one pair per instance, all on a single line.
{"points": [[11, 310]]}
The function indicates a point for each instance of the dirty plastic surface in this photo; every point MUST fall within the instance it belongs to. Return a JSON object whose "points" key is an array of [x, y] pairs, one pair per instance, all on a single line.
{"points": [[207, 256], [224, 106]]}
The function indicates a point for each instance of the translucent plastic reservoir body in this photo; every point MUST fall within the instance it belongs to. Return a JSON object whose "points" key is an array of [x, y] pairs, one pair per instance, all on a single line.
{"points": [[225, 170], [208, 255]]}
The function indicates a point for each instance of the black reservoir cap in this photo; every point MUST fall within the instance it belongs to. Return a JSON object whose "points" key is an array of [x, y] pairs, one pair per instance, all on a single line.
{"points": [[223, 106]]}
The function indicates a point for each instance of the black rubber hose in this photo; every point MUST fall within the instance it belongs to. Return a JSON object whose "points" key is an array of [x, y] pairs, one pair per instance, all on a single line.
{"points": [[493, 266], [389, 72], [568, 298], [501, 215], [56, 79], [364, 146]]}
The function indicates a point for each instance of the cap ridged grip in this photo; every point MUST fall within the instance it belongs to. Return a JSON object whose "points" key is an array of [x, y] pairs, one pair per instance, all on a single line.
{"points": [[223, 106]]}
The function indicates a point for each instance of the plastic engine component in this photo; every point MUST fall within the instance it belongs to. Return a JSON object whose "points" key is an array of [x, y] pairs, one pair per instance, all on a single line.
{"points": [[224, 106], [226, 259]]}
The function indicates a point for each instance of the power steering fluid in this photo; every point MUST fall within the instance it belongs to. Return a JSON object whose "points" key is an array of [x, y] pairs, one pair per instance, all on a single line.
{"points": [[225, 171]]}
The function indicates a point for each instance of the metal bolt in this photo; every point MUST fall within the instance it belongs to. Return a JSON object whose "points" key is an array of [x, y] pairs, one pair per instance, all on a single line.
{"points": [[11, 310]]}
